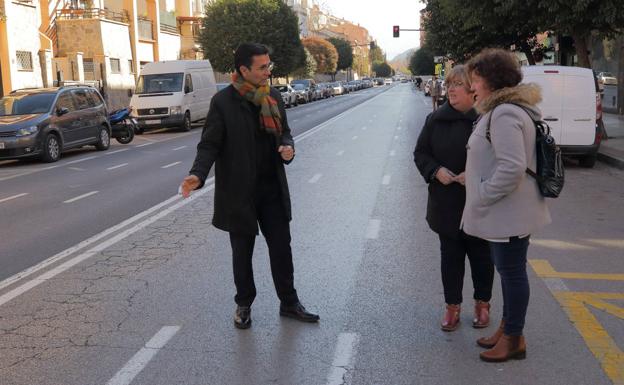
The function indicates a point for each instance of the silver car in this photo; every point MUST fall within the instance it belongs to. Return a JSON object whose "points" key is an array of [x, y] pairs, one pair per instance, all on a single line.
{"points": [[288, 94]]}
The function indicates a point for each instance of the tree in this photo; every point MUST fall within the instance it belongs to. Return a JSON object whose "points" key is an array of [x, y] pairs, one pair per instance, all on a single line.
{"points": [[376, 55], [345, 53], [224, 30], [458, 31], [308, 69], [421, 62], [382, 69], [324, 53], [582, 18]]}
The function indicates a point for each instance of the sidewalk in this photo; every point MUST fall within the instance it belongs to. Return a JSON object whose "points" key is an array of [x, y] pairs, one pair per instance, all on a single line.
{"points": [[612, 150]]}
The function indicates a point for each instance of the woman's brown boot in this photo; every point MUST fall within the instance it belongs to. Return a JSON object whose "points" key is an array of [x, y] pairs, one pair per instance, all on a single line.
{"points": [[490, 342], [482, 315], [450, 322], [507, 348]]}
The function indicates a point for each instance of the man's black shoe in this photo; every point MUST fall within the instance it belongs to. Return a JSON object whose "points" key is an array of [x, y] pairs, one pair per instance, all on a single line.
{"points": [[298, 312], [242, 317]]}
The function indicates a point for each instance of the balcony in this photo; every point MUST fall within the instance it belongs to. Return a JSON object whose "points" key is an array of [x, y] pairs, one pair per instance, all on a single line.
{"points": [[169, 28], [92, 13], [146, 28]]}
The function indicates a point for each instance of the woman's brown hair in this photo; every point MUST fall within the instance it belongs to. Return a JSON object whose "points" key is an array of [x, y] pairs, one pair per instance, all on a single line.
{"points": [[499, 68]]}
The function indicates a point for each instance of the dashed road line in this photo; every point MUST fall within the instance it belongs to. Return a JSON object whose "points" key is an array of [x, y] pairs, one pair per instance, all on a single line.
{"points": [[115, 152], [81, 197], [178, 148], [315, 178], [12, 197], [118, 166], [144, 144], [75, 168], [140, 360], [171, 164], [343, 358], [372, 232], [81, 160]]}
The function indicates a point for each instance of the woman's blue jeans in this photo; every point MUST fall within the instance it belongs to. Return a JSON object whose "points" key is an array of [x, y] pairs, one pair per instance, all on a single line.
{"points": [[510, 259]]}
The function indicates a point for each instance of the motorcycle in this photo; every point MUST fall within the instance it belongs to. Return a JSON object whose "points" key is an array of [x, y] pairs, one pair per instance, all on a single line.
{"points": [[123, 126]]}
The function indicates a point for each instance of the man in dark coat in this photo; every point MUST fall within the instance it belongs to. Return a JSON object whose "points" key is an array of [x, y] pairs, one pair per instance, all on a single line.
{"points": [[246, 136]]}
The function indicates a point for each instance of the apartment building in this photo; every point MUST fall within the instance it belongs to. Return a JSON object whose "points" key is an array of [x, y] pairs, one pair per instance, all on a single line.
{"points": [[105, 42]]}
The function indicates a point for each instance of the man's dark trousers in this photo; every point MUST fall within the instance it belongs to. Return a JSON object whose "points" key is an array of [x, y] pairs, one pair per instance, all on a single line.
{"points": [[275, 227]]}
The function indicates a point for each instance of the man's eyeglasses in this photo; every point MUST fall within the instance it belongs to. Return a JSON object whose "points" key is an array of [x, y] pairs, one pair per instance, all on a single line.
{"points": [[267, 67]]}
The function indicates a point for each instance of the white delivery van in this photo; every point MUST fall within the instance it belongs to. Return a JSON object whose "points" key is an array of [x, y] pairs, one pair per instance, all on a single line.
{"points": [[173, 93], [571, 106]]}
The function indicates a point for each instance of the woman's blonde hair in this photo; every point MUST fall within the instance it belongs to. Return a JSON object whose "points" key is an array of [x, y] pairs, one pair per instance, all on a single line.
{"points": [[459, 73]]}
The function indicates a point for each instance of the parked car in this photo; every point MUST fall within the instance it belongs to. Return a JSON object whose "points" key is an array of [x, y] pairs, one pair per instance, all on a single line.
{"points": [[310, 86], [572, 107], [289, 96], [337, 88], [326, 90], [303, 94], [44, 122], [388, 81], [173, 93], [607, 78]]}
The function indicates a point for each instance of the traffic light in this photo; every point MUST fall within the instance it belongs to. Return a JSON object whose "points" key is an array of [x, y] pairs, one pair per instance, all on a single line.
{"points": [[395, 31]]}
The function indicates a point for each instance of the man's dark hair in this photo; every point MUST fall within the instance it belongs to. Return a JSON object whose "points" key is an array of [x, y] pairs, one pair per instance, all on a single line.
{"points": [[499, 68], [245, 52]]}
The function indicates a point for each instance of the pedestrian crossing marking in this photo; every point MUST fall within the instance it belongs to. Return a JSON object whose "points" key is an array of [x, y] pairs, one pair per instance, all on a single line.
{"points": [[544, 269], [602, 346]]}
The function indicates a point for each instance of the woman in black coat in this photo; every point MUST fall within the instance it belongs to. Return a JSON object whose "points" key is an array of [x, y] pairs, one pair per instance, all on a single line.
{"points": [[440, 156]]}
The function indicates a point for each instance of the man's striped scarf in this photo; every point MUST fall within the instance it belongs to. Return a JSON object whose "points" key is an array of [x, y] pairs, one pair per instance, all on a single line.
{"points": [[270, 118]]}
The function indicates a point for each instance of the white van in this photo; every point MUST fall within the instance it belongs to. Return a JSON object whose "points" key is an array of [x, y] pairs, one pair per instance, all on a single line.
{"points": [[173, 93], [572, 108]]}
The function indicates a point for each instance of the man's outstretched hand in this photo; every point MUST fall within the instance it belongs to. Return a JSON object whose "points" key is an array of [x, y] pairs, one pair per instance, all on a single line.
{"points": [[189, 184]]}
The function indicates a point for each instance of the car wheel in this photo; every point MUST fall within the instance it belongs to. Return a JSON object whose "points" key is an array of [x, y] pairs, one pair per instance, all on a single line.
{"points": [[127, 138], [588, 161], [103, 142], [51, 149], [186, 124]]}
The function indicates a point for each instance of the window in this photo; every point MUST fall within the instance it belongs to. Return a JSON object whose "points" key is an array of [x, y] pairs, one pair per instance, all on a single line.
{"points": [[115, 66], [24, 60], [82, 99], [131, 66], [188, 82], [96, 99], [89, 69], [157, 83], [65, 101]]}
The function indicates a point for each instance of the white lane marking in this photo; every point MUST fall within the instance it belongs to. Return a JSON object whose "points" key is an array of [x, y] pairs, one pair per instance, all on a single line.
{"points": [[96, 249], [81, 160], [81, 197], [340, 153], [372, 232], [399, 128], [171, 164], [396, 137], [343, 357], [178, 148], [12, 197], [140, 360], [144, 144], [118, 166], [392, 153], [115, 152], [364, 128], [23, 274], [315, 178], [76, 168], [386, 180], [354, 137]]}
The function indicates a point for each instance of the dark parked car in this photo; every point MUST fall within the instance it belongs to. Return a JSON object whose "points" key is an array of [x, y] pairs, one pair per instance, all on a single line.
{"points": [[44, 122]]}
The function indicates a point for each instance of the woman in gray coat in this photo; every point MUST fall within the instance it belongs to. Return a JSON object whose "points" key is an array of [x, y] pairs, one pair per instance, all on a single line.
{"points": [[503, 203]]}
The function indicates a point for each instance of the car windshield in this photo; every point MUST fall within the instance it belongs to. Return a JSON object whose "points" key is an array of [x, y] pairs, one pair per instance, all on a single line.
{"points": [[25, 104], [607, 74], [304, 82], [298, 86], [158, 83]]}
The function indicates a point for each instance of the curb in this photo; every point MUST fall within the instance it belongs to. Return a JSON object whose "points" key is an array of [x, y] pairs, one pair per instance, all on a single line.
{"points": [[611, 160]]}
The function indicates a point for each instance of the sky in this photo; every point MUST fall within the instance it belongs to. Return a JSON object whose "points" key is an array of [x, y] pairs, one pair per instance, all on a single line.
{"points": [[378, 17]]}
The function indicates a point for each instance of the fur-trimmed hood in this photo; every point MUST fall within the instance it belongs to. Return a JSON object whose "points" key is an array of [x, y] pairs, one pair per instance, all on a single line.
{"points": [[529, 95]]}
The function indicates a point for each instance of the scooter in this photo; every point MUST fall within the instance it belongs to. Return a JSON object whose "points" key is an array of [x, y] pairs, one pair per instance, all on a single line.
{"points": [[122, 125]]}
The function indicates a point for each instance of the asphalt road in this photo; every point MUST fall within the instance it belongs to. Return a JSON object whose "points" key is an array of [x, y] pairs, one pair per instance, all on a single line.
{"points": [[47, 208], [153, 303]]}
